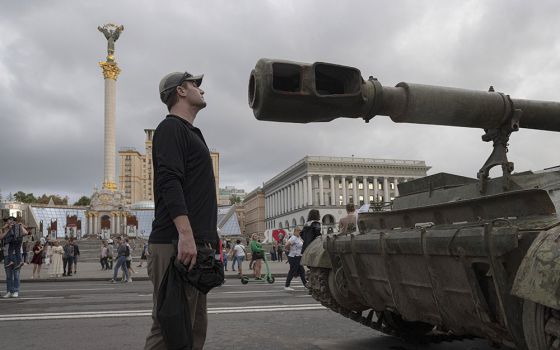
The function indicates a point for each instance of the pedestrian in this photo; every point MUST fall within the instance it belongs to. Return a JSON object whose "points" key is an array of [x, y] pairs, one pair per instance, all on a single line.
{"points": [[226, 250], [76, 254], [48, 253], [103, 256], [348, 224], [12, 235], [294, 247], [24, 250], [10, 259], [257, 255], [121, 260], [129, 250], [280, 248], [144, 255], [311, 229], [37, 259], [273, 249], [233, 258], [110, 251], [68, 258], [238, 256], [56, 267], [185, 198]]}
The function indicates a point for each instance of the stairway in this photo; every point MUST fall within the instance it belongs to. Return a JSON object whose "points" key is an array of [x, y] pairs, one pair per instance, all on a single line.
{"points": [[90, 249]]}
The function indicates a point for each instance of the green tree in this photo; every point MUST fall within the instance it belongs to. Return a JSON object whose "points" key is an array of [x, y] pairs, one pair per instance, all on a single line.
{"points": [[21, 196], [233, 199], [83, 201], [58, 200]]}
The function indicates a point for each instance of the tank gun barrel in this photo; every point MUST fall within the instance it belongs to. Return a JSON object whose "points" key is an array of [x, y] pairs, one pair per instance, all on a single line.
{"points": [[287, 91]]}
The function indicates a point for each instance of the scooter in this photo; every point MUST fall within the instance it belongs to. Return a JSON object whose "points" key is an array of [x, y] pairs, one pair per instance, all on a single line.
{"points": [[268, 278]]}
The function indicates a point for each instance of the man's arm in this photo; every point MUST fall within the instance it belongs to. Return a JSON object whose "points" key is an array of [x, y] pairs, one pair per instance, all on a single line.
{"points": [[23, 230], [186, 246]]}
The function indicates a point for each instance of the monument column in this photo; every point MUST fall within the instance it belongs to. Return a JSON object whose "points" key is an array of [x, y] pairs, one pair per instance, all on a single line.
{"points": [[396, 187], [305, 200], [110, 73], [375, 189]]}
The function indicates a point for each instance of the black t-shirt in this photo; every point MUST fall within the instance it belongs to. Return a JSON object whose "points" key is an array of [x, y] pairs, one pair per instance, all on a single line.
{"points": [[183, 182]]}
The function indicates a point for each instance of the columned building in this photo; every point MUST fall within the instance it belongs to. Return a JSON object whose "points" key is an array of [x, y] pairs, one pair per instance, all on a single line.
{"points": [[329, 183]]}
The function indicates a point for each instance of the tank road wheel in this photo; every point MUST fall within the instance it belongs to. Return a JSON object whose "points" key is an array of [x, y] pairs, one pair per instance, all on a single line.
{"points": [[406, 329], [244, 279], [541, 326]]}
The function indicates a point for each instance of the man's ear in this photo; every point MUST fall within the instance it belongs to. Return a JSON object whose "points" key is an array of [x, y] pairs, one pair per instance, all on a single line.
{"points": [[181, 90]]}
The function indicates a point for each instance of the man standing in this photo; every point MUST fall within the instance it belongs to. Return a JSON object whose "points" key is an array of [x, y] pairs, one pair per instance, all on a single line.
{"points": [[185, 197], [12, 248], [68, 258], [348, 224]]}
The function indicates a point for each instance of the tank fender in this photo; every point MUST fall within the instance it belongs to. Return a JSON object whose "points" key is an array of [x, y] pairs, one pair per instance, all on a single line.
{"points": [[538, 276], [316, 255]]}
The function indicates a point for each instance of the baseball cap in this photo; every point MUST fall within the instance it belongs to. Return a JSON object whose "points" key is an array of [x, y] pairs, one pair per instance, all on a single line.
{"points": [[10, 218], [172, 80]]}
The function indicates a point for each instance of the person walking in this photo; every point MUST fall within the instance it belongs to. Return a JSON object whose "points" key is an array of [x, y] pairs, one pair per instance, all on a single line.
{"points": [[238, 256], [294, 247], [129, 250], [144, 255], [121, 260], [311, 229], [185, 198], [56, 267], [37, 259]]}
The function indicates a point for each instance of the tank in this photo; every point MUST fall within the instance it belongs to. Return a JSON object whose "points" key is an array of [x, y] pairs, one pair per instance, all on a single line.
{"points": [[454, 257]]}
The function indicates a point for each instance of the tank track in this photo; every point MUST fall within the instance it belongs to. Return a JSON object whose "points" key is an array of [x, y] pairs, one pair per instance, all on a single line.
{"points": [[319, 277]]}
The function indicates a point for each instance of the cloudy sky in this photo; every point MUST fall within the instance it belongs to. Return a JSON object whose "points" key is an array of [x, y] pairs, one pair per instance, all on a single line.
{"points": [[51, 87]]}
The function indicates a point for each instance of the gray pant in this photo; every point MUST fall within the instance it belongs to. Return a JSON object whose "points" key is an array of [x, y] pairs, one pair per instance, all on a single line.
{"points": [[158, 260]]}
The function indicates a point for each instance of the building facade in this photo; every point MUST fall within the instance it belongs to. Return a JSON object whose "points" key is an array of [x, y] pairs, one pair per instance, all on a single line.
{"points": [[254, 212], [136, 175], [225, 194], [329, 183]]}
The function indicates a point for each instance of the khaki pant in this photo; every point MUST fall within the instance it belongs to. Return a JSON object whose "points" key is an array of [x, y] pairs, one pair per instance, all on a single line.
{"points": [[158, 260]]}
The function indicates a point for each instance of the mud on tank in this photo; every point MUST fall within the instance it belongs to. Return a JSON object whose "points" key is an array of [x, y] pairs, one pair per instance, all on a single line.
{"points": [[454, 257]]}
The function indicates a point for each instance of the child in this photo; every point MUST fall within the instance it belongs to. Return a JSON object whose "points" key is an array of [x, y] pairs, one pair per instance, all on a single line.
{"points": [[13, 237]]}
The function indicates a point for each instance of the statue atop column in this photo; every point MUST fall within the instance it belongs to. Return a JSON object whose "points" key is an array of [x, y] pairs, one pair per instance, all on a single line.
{"points": [[112, 33]]}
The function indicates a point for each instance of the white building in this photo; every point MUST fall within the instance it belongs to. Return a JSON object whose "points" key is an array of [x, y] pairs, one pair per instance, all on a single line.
{"points": [[329, 183]]}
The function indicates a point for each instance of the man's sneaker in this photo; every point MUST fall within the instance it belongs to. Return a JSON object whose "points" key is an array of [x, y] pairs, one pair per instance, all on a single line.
{"points": [[15, 295], [113, 281], [7, 295], [289, 289], [129, 280]]}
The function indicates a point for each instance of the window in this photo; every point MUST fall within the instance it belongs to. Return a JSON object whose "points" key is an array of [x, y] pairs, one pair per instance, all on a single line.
{"points": [[340, 200], [370, 185], [361, 200], [360, 186], [379, 186], [370, 199], [350, 185], [392, 186]]}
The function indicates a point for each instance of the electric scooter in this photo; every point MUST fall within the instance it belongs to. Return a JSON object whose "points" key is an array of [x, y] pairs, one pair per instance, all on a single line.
{"points": [[268, 278]]}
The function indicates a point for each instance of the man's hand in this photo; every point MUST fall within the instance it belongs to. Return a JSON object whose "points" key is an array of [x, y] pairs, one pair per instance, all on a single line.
{"points": [[186, 247]]}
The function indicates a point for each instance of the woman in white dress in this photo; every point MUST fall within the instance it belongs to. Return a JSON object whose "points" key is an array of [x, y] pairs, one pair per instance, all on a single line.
{"points": [[55, 269]]}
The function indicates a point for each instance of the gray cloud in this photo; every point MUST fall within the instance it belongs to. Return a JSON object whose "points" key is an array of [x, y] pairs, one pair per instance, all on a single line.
{"points": [[51, 89]]}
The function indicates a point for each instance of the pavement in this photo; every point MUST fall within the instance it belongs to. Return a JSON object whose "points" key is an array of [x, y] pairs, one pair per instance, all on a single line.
{"points": [[91, 271]]}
